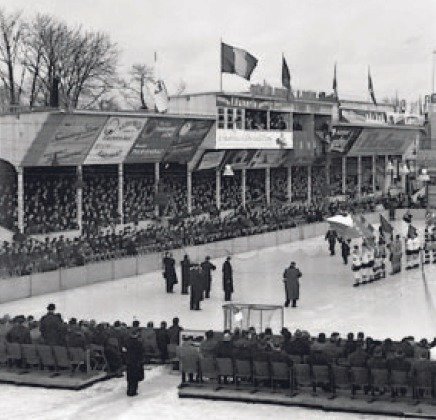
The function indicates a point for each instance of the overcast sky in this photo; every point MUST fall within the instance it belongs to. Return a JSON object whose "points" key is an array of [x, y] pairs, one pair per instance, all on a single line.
{"points": [[395, 37]]}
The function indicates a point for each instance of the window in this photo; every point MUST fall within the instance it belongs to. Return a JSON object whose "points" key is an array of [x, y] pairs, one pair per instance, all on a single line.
{"points": [[221, 121], [238, 119], [230, 120]]}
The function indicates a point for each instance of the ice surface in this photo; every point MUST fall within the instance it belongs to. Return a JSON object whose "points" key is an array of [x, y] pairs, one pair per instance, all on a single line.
{"points": [[397, 306]]}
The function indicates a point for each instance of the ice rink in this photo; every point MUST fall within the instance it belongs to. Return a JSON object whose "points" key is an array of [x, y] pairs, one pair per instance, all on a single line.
{"points": [[394, 307]]}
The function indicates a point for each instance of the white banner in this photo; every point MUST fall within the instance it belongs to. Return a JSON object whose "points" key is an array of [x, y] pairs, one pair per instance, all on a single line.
{"points": [[115, 140], [246, 139]]}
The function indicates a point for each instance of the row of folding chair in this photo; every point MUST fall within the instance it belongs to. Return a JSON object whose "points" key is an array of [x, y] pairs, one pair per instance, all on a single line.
{"points": [[43, 356], [301, 376]]}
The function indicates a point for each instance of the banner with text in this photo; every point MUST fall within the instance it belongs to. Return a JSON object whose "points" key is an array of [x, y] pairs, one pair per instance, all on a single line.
{"points": [[65, 140], [154, 140], [246, 139], [115, 140], [189, 138]]}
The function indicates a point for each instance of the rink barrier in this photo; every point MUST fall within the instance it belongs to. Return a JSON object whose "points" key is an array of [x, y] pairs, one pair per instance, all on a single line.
{"points": [[69, 278]]}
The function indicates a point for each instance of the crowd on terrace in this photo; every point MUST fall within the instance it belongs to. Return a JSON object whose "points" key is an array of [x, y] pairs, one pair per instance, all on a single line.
{"points": [[50, 206]]}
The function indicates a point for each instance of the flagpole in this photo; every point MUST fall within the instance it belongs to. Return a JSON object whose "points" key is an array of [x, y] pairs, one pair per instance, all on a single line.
{"points": [[220, 64]]}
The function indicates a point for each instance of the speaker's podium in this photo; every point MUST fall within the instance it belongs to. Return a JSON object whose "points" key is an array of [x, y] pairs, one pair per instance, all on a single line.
{"points": [[246, 315]]}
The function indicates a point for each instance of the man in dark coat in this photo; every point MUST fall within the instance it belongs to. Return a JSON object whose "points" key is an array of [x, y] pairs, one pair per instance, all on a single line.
{"points": [[134, 363], [345, 249], [162, 340], [227, 279], [186, 265], [169, 272], [196, 282], [174, 332], [331, 236], [51, 327], [207, 268], [292, 284], [19, 333]]}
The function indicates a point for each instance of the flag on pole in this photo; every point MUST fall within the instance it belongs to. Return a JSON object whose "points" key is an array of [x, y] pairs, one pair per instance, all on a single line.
{"points": [[335, 84], [371, 87], [237, 61], [286, 75], [386, 226], [364, 228]]}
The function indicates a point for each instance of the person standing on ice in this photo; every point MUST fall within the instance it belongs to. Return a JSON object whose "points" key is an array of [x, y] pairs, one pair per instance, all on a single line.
{"points": [[227, 279], [292, 284], [396, 254], [169, 272], [331, 237], [207, 268], [356, 265], [186, 266], [134, 362], [196, 283], [345, 249]]}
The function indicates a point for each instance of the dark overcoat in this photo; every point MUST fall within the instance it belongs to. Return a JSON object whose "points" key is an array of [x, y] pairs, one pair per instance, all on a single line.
{"points": [[227, 277], [134, 360], [292, 284]]}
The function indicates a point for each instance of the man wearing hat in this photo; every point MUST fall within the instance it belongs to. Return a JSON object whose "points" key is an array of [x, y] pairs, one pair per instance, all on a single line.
{"points": [[134, 362], [227, 279], [292, 284], [51, 327], [207, 267]]}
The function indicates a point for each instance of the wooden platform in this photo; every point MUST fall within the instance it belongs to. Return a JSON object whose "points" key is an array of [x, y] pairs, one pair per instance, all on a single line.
{"points": [[359, 405], [48, 379]]}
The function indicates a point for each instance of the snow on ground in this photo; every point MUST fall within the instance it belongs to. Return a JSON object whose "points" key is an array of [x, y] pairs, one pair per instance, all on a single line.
{"points": [[397, 306]]}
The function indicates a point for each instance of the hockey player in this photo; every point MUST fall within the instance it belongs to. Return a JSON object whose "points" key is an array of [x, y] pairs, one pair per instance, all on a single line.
{"points": [[356, 263], [416, 249], [382, 257], [377, 263], [371, 263], [427, 243], [365, 267], [409, 253]]}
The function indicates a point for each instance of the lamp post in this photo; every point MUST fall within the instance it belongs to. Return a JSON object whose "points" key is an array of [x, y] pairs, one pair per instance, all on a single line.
{"points": [[424, 177], [405, 171], [390, 171]]}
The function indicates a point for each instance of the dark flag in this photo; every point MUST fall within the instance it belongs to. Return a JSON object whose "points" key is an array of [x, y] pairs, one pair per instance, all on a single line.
{"points": [[371, 87], [386, 226], [286, 76], [335, 84], [237, 61]]}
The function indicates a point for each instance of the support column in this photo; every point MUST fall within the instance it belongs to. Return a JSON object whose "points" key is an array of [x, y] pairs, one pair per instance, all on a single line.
{"points": [[189, 188], [386, 185], [359, 176], [289, 183], [268, 185], [218, 189], [243, 186], [121, 192], [374, 173], [344, 175], [309, 184], [79, 197], [156, 186], [20, 193]]}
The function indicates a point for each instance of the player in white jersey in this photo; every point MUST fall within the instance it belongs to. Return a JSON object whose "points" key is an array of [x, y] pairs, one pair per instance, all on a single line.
{"points": [[409, 253], [382, 257], [365, 268], [416, 249], [356, 265], [371, 264]]}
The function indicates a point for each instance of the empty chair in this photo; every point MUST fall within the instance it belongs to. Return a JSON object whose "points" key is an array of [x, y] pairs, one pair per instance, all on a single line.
{"points": [[280, 373], [243, 371], [379, 380], [320, 376], [46, 355], [13, 353], [359, 379], [189, 361], [399, 382], [340, 378], [225, 368], [208, 369], [79, 358], [302, 376], [3, 355], [62, 357], [261, 372], [30, 355]]}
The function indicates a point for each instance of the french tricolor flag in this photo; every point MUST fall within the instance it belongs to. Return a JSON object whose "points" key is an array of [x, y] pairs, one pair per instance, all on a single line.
{"points": [[237, 61]]}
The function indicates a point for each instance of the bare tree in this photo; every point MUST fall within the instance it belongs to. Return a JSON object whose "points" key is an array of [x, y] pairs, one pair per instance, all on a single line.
{"points": [[12, 74], [135, 89]]}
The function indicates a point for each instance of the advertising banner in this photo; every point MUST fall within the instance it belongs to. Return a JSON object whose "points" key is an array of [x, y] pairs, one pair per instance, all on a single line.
{"points": [[211, 160], [154, 140], [247, 139], [343, 138], [265, 158], [115, 140], [189, 138], [68, 139], [387, 141]]}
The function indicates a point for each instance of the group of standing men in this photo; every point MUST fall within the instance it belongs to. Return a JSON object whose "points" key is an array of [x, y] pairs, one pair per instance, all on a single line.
{"points": [[196, 278]]}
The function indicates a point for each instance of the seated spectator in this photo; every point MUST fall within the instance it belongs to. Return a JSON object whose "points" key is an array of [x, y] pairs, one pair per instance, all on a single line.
{"points": [[52, 328], [208, 346], [359, 357], [399, 362], [148, 339], [224, 348], [19, 333], [377, 361], [174, 332]]}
